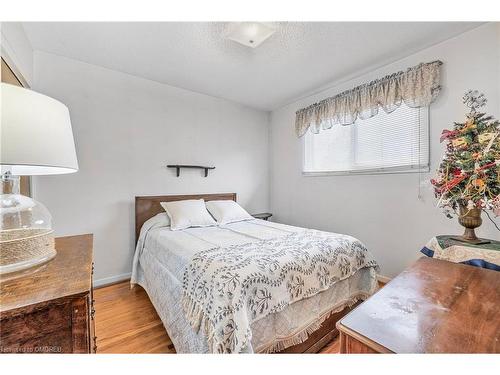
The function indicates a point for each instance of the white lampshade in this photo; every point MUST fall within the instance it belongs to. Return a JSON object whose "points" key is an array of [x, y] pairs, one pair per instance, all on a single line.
{"points": [[35, 134]]}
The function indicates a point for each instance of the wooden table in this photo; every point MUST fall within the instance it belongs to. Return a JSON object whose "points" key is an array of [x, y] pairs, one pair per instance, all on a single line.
{"points": [[434, 306], [49, 308]]}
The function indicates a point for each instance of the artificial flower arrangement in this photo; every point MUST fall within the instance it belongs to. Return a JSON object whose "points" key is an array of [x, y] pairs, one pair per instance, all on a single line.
{"points": [[468, 177]]}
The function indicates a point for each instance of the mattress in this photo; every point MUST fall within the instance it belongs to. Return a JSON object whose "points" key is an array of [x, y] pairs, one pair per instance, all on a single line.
{"points": [[162, 255]]}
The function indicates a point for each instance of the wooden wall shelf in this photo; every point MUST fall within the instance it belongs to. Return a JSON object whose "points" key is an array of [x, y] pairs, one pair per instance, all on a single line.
{"points": [[179, 166]]}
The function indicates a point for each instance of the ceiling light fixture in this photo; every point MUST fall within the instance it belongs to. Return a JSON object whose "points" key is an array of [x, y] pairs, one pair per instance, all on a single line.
{"points": [[250, 34]]}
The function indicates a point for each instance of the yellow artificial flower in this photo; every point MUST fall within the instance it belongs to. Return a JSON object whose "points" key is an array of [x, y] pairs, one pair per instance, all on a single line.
{"points": [[459, 142], [485, 137], [469, 125]]}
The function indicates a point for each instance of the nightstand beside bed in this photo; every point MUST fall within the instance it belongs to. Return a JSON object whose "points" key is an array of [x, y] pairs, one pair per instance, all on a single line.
{"points": [[263, 216]]}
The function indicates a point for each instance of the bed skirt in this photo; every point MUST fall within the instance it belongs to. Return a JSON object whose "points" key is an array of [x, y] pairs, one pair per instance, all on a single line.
{"points": [[271, 334]]}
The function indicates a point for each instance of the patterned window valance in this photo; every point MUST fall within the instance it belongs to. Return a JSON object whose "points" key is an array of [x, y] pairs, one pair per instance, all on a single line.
{"points": [[417, 87]]}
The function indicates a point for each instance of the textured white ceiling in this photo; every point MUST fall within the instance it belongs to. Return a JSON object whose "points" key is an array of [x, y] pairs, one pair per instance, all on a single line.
{"points": [[298, 58]]}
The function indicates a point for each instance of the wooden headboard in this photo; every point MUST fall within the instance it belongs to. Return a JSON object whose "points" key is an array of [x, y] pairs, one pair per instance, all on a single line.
{"points": [[148, 206]]}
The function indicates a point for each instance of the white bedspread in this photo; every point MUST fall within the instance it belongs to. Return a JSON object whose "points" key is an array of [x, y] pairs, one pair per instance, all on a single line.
{"points": [[162, 256]]}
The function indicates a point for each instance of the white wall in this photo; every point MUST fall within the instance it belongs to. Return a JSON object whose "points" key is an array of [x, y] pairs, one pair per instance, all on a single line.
{"points": [[384, 210], [126, 130], [17, 50]]}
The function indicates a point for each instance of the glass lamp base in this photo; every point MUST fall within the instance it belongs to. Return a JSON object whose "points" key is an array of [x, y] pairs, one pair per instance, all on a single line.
{"points": [[26, 234]]}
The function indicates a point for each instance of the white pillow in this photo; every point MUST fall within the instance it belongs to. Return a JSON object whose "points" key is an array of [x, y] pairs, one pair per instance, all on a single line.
{"points": [[227, 211], [188, 213]]}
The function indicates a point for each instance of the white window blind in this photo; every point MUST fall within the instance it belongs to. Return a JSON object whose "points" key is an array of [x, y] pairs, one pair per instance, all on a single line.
{"points": [[394, 142]]}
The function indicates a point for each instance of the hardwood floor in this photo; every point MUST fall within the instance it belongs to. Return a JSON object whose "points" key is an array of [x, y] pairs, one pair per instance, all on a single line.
{"points": [[126, 322]]}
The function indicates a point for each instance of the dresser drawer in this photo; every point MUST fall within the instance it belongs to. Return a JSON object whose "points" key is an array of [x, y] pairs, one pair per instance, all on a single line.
{"points": [[42, 330]]}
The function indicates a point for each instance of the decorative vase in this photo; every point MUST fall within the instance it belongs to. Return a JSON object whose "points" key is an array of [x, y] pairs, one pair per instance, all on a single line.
{"points": [[470, 219]]}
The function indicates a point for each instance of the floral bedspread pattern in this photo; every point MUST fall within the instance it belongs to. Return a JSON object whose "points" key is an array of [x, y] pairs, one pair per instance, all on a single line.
{"points": [[226, 289]]}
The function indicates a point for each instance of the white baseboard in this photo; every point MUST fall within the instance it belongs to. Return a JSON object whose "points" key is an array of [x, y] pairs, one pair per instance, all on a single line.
{"points": [[112, 279], [384, 279]]}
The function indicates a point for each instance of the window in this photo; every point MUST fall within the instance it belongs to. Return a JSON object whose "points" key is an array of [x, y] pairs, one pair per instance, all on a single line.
{"points": [[394, 142]]}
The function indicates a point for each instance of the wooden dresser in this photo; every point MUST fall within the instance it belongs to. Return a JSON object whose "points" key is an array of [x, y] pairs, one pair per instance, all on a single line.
{"points": [[434, 306], [49, 309]]}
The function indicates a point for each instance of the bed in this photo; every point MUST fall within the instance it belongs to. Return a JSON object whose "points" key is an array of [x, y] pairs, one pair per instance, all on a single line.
{"points": [[304, 324]]}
